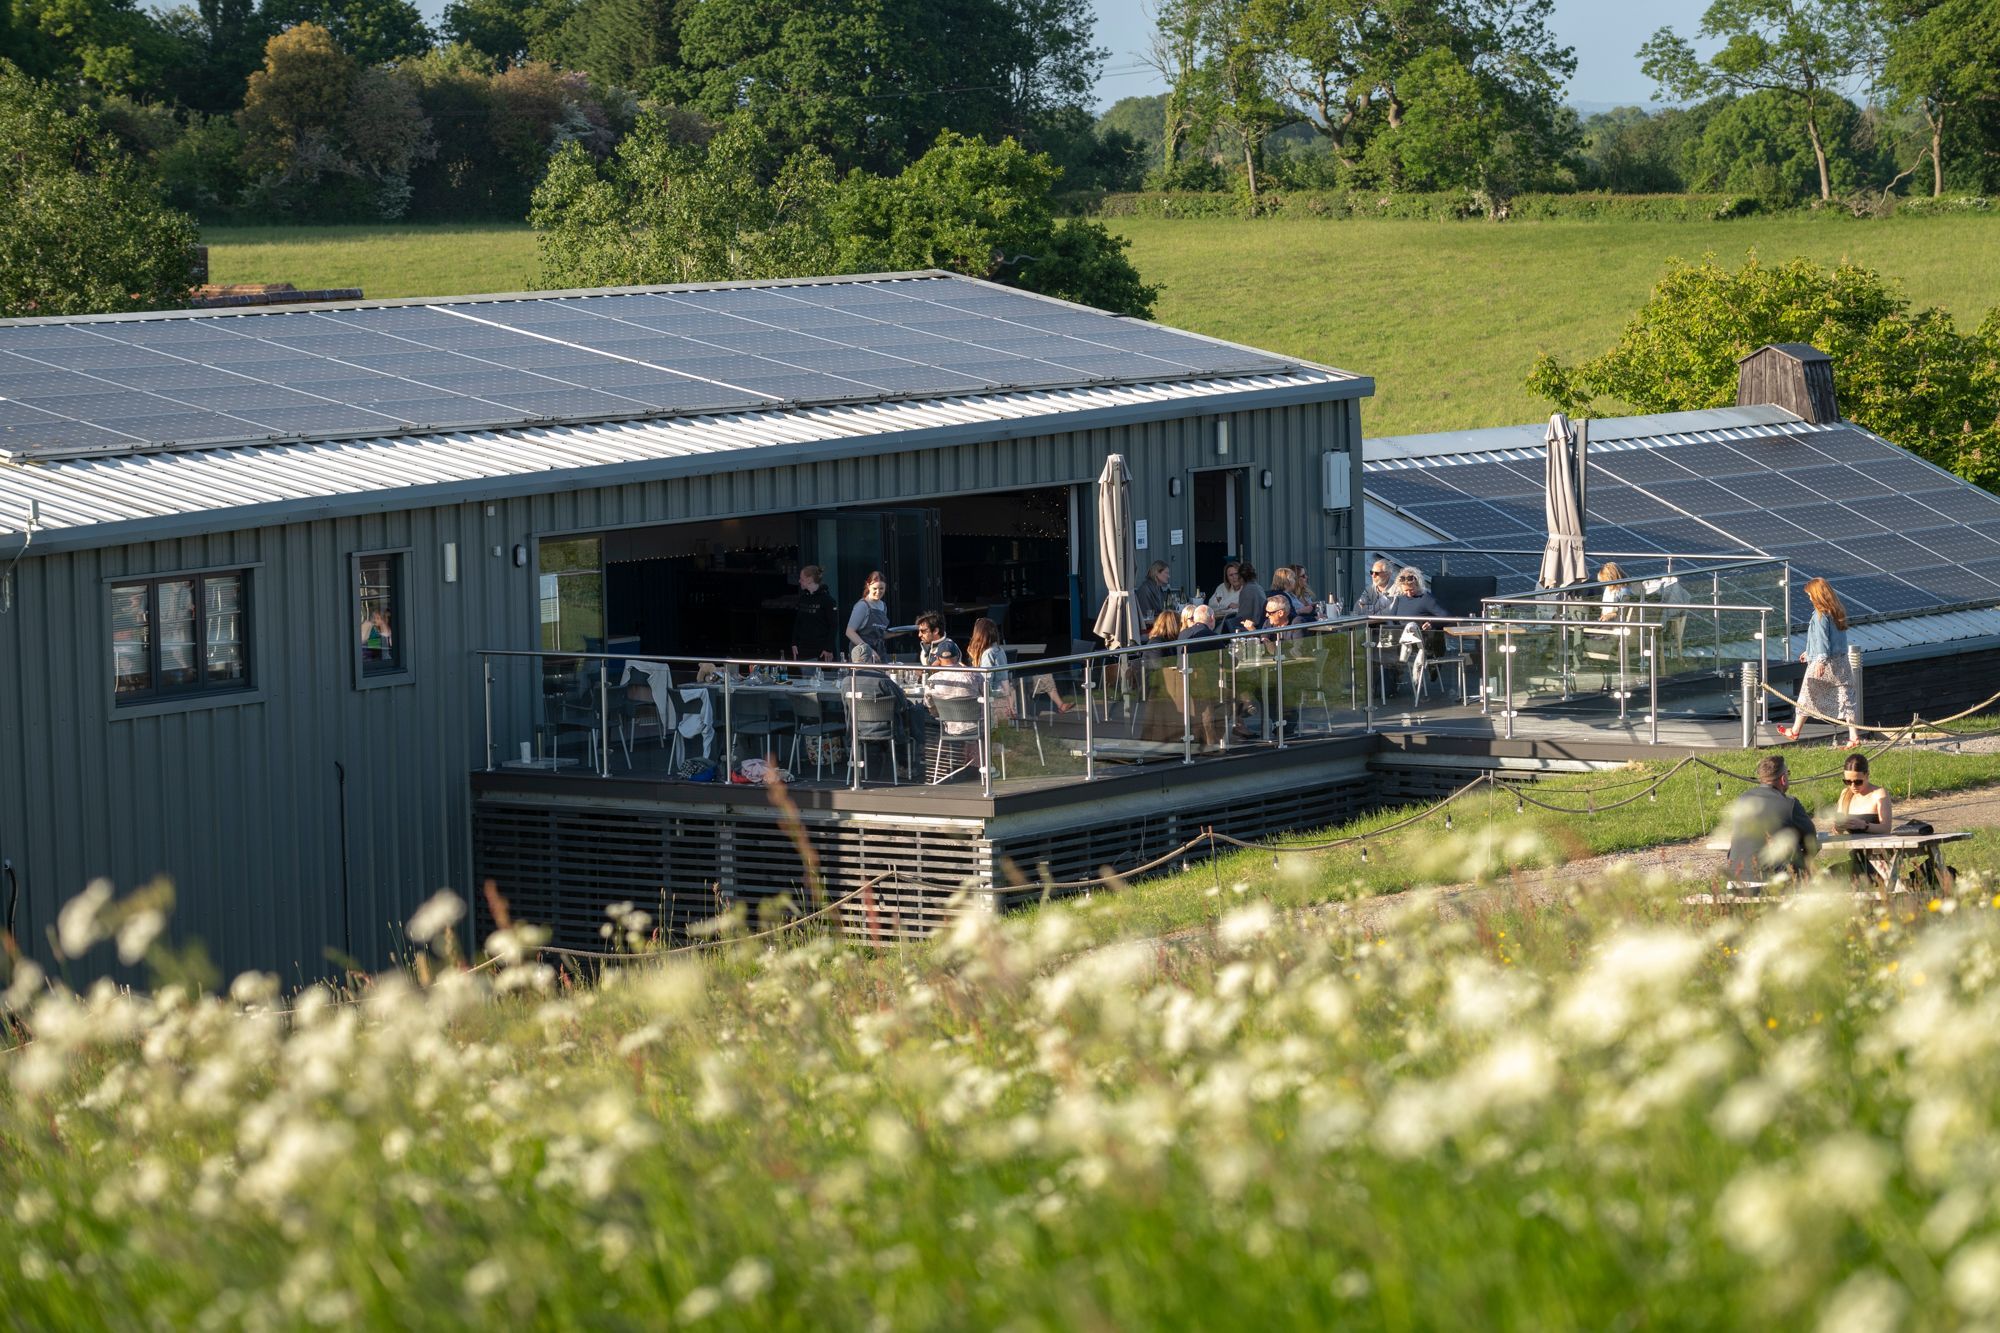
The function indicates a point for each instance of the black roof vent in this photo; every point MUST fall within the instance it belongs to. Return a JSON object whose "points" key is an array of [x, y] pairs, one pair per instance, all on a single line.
{"points": [[1793, 376]]}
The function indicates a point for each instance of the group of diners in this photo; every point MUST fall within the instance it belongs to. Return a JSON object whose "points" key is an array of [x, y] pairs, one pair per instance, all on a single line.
{"points": [[1239, 601], [948, 672]]}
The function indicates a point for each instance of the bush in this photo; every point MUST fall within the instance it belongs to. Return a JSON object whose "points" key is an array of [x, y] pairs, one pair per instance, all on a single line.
{"points": [[1439, 206], [1924, 204]]}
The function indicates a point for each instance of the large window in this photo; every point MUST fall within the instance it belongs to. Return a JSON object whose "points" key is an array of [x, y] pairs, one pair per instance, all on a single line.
{"points": [[378, 611], [179, 636]]}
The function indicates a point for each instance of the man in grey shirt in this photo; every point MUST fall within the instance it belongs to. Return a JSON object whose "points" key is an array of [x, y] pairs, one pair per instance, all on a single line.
{"points": [[1769, 831]]}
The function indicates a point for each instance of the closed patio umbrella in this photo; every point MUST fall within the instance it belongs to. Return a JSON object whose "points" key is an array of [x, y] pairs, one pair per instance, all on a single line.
{"points": [[1117, 622], [1562, 559]]}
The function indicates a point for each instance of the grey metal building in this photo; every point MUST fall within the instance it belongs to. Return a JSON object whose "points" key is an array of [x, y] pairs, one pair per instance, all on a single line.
{"points": [[198, 509]]}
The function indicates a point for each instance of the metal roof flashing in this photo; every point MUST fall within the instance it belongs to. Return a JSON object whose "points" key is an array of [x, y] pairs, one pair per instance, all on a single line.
{"points": [[90, 502]]}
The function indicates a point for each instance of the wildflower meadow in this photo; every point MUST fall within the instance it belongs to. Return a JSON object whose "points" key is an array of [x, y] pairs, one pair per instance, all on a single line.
{"points": [[1599, 1110]]}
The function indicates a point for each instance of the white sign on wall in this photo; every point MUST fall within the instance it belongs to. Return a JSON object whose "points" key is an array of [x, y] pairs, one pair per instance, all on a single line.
{"points": [[1139, 534], [1173, 536]]}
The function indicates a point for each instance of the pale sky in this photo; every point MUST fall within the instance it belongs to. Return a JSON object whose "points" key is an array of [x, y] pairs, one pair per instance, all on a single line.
{"points": [[1605, 34]]}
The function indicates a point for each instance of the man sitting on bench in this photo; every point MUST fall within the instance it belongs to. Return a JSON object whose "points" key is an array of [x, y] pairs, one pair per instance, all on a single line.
{"points": [[1768, 829]]}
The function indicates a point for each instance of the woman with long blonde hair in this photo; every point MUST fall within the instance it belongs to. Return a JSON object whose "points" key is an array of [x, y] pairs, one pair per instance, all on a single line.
{"points": [[1826, 666]]}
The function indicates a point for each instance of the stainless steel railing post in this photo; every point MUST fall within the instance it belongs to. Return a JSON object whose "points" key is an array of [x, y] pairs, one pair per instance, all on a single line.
{"points": [[603, 719], [1089, 729], [1748, 706], [1187, 710], [1278, 706], [985, 737], [1507, 670], [1653, 685], [1854, 684]]}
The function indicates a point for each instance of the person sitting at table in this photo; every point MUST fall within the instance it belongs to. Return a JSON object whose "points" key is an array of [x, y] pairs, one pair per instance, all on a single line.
{"points": [[813, 637], [1197, 622], [1227, 597], [1864, 807], [1284, 583], [1302, 591], [1277, 616], [1381, 590], [1152, 595], [931, 639], [1614, 592], [988, 651], [1420, 614], [952, 681], [1164, 630], [868, 623], [878, 684], [1249, 602], [1768, 829]]}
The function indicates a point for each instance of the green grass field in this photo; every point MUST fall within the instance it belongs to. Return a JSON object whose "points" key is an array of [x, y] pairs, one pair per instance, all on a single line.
{"points": [[1446, 316]]}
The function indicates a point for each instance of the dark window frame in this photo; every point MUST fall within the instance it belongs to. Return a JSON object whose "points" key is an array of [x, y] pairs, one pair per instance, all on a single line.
{"points": [[403, 672], [202, 690]]}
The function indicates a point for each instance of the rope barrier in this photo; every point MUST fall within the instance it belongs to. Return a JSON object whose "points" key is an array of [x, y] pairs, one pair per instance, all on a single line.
{"points": [[1860, 726]]}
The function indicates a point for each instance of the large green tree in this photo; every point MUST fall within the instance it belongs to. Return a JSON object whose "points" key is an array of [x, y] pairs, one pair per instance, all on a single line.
{"points": [[1943, 63], [1758, 145], [82, 229], [105, 46], [223, 41], [670, 208], [872, 82], [374, 32], [1910, 375], [507, 31], [1803, 50]]}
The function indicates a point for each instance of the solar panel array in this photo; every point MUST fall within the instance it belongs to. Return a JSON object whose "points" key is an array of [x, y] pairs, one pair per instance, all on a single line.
{"points": [[1890, 532], [127, 386]]}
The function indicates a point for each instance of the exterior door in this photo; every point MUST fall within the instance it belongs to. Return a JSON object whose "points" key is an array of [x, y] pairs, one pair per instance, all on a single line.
{"points": [[1218, 520]]}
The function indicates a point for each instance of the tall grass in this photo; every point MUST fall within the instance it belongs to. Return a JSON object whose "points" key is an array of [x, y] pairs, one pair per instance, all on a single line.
{"points": [[1584, 1115]]}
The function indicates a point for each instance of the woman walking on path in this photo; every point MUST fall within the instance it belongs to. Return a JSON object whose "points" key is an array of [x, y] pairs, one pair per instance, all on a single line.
{"points": [[1824, 691]]}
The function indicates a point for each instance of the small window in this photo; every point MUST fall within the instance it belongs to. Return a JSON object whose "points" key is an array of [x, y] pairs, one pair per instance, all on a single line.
{"points": [[180, 636], [378, 588]]}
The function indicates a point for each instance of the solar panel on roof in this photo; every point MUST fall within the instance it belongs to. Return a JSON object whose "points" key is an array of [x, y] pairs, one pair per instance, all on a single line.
{"points": [[1960, 502], [234, 375], [1612, 503]]}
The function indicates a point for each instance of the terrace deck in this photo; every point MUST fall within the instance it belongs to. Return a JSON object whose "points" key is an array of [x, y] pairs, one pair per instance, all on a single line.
{"points": [[563, 845]]}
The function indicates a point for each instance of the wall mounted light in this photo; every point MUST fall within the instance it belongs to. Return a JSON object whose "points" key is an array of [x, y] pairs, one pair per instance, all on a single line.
{"points": [[1266, 479], [451, 562], [1222, 435], [520, 555], [1173, 485]]}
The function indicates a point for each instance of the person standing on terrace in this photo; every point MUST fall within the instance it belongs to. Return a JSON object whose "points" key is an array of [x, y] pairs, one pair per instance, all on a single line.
{"points": [[813, 639], [868, 623], [1825, 689]]}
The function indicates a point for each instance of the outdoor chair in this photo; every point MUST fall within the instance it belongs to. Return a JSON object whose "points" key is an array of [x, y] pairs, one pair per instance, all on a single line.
{"points": [[878, 721], [1434, 668], [959, 712], [758, 715], [816, 719]]}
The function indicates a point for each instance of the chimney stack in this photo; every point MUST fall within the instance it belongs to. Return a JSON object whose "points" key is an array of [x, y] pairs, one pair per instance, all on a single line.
{"points": [[1793, 376]]}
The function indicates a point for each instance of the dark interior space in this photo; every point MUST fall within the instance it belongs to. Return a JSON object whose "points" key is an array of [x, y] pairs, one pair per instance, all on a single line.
{"points": [[729, 587]]}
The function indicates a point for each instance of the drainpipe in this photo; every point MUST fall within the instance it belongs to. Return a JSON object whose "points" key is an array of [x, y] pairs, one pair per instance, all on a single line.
{"points": [[346, 901]]}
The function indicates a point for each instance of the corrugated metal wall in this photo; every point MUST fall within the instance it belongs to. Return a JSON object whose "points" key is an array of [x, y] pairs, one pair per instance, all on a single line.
{"points": [[241, 802]]}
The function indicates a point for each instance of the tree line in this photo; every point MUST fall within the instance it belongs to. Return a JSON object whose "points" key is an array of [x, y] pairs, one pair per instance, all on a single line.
{"points": [[343, 110], [1800, 99]]}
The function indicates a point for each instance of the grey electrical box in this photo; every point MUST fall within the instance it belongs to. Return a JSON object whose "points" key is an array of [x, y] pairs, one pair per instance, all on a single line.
{"points": [[1334, 480]]}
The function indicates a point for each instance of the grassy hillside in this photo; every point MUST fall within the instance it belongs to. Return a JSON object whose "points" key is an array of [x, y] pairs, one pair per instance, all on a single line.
{"points": [[1447, 317]]}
